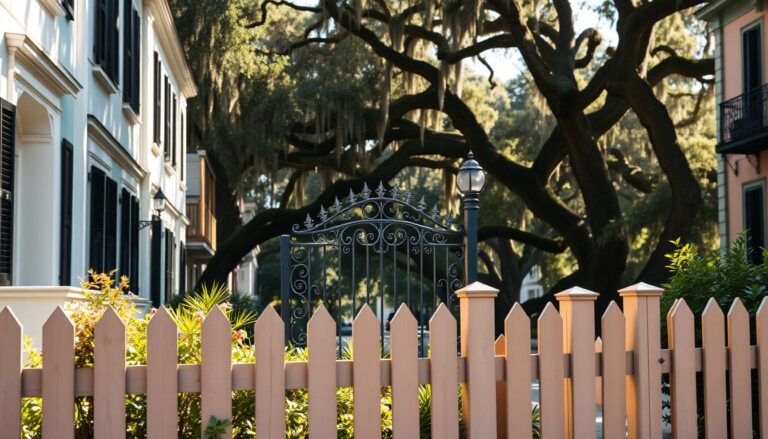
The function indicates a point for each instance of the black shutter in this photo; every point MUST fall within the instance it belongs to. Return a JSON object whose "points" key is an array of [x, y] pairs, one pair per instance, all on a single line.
{"points": [[182, 268], [183, 157], [169, 260], [158, 99], [7, 167], [65, 256], [125, 233], [110, 226], [100, 33], [127, 52], [155, 268], [136, 95], [134, 271], [97, 220], [113, 32], [173, 132], [167, 139]]}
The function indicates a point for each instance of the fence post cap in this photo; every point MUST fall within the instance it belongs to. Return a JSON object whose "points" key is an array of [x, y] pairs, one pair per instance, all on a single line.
{"points": [[476, 290], [576, 293], [641, 289]]}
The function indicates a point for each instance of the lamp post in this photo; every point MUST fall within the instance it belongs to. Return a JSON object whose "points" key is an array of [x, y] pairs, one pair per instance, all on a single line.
{"points": [[470, 181]]}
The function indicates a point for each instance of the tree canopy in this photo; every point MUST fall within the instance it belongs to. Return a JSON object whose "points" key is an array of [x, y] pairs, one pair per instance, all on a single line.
{"points": [[599, 152]]}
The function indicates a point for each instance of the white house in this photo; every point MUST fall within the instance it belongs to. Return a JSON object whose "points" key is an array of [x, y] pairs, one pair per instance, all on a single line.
{"points": [[93, 99]]}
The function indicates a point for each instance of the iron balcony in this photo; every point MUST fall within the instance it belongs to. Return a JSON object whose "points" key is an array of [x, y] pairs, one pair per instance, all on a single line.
{"points": [[744, 123]]}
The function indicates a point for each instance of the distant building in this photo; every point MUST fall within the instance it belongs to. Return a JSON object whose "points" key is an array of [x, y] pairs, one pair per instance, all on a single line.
{"points": [[531, 287], [201, 210], [741, 42], [245, 278], [93, 103]]}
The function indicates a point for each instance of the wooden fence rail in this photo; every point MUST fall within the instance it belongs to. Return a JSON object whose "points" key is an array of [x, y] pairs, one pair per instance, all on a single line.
{"points": [[495, 376]]}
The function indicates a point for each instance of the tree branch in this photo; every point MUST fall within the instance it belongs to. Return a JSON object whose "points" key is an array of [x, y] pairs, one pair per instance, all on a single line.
{"points": [[540, 242]]}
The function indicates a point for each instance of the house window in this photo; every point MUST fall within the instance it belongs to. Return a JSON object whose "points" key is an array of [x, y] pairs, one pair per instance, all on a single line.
{"points": [[752, 64], [7, 167], [65, 256], [129, 238], [103, 230], [158, 99], [754, 220], [182, 267], [169, 265], [131, 57], [107, 37], [167, 139]]}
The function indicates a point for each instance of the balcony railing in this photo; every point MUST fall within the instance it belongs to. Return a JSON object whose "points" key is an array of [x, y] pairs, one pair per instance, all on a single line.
{"points": [[202, 224], [744, 122]]}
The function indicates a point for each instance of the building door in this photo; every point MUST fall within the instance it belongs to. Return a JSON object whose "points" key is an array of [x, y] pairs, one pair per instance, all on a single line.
{"points": [[754, 220]]}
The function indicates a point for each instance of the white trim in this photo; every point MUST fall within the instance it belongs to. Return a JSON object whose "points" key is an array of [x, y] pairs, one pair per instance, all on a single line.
{"points": [[111, 146], [54, 7], [104, 80], [22, 49], [131, 115], [166, 33]]}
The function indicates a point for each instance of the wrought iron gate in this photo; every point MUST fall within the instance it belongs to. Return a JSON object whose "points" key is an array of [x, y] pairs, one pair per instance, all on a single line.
{"points": [[379, 248]]}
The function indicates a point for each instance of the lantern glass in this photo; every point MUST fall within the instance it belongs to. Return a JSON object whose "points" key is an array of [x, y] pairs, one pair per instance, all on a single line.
{"points": [[463, 180], [159, 201], [477, 180]]}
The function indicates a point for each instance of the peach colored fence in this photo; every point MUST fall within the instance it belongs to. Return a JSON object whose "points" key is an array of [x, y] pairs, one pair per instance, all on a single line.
{"points": [[622, 371]]}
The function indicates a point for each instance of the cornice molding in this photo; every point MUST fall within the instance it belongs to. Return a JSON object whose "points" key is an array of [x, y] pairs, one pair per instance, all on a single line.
{"points": [[99, 133], [54, 7], [34, 59], [165, 30], [713, 11]]}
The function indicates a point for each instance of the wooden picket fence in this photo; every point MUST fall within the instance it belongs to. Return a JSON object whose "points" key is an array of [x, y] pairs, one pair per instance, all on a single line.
{"points": [[495, 375]]}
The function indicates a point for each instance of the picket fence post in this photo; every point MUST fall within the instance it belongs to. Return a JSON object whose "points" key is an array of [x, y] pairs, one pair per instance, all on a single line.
{"points": [[577, 309], [642, 303], [478, 394]]}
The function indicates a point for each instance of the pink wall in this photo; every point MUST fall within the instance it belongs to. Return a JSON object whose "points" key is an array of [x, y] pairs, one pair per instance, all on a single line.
{"points": [[732, 87], [746, 174]]}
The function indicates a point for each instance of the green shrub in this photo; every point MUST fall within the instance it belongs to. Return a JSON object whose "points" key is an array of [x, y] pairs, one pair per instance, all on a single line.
{"points": [[697, 278]]}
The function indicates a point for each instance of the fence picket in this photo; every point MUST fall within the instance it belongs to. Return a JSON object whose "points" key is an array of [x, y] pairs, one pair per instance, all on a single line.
{"points": [[443, 368], [739, 371], [714, 364], [500, 349], [58, 377], [517, 335], [614, 366], [761, 330], [162, 384], [216, 369], [682, 342], [269, 384], [109, 376], [405, 374], [321, 374], [366, 359], [577, 310], [551, 374], [599, 378], [10, 374]]}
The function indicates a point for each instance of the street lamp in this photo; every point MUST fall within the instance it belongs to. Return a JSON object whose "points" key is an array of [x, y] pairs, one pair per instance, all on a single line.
{"points": [[158, 202], [470, 181]]}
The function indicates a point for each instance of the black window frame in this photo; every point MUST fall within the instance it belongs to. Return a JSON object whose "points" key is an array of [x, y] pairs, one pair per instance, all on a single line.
{"points": [[167, 126], [170, 259], [103, 226]]}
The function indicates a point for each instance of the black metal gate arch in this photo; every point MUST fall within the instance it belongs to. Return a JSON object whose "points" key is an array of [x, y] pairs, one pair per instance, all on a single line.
{"points": [[380, 248]]}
